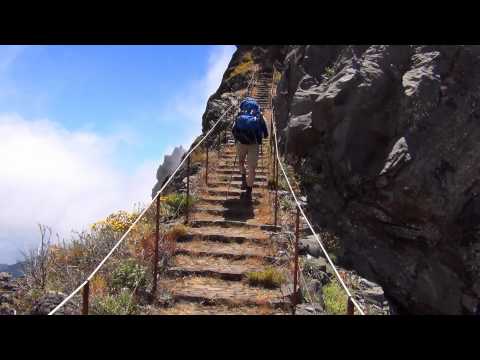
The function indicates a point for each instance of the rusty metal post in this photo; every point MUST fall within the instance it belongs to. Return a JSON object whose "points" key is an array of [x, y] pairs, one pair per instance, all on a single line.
{"points": [[225, 135], [206, 165], [276, 189], [85, 295], [187, 213], [295, 270], [157, 239], [271, 131], [350, 307]]}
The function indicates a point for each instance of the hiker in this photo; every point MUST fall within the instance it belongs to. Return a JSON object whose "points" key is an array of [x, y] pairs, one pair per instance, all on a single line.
{"points": [[248, 130]]}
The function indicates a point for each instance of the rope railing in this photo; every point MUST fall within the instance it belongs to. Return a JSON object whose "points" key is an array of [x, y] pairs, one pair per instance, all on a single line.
{"points": [[85, 285], [279, 164]]}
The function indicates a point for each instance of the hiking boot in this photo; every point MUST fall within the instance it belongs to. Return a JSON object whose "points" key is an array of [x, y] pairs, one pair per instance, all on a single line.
{"points": [[244, 182]]}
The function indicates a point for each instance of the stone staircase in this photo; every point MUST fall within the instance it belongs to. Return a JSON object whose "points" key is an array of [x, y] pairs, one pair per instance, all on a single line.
{"points": [[228, 237]]}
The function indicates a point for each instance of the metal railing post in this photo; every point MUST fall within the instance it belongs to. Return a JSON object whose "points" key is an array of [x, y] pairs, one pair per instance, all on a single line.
{"points": [[206, 165], [157, 240], [187, 213], [276, 189], [295, 270], [350, 307], [85, 296], [271, 131]]}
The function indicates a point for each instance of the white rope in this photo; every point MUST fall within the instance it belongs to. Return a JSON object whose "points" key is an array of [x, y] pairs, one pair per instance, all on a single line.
{"points": [[310, 225], [145, 210]]}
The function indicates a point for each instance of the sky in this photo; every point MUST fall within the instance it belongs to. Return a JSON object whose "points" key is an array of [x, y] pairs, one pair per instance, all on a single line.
{"points": [[84, 128]]}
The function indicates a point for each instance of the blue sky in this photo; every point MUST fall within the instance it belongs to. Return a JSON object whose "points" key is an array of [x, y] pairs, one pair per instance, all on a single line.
{"points": [[85, 127]]}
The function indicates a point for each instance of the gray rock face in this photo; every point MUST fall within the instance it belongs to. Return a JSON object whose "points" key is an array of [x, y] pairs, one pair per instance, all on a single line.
{"points": [[310, 246], [314, 293], [49, 301], [309, 309], [170, 163], [7, 293], [386, 140]]}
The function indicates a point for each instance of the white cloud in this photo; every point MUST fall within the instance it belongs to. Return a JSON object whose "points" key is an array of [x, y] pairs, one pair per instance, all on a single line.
{"points": [[64, 179]]}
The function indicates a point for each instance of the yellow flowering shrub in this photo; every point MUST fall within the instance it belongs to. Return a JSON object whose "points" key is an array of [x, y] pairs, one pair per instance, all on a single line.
{"points": [[119, 221]]}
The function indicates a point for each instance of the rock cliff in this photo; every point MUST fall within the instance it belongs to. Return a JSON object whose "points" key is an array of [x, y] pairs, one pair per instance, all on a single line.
{"points": [[170, 163], [386, 140]]}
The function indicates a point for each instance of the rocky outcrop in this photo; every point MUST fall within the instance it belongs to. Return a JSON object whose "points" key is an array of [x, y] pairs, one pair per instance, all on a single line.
{"points": [[386, 140], [170, 163], [7, 294], [16, 270], [50, 300]]}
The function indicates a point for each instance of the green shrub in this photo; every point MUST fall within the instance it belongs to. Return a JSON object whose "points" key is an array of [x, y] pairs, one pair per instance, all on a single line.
{"points": [[269, 278], [287, 203], [177, 203], [118, 304], [335, 298], [129, 274], [329, 72]]}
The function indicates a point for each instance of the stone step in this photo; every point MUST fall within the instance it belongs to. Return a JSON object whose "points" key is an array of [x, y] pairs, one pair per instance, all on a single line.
{"points": [[234, 192], [231, 157], [228, 212], [213, 234], [232, 251], [235, 184], [237, 172], [233, 223], [182, 271], [217, 267], [259, 179], [193, 308], [220, 200], [231, 167], [214, 292]]}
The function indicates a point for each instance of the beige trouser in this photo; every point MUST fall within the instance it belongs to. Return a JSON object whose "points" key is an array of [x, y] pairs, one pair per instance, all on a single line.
{"points": [[251, 153]]}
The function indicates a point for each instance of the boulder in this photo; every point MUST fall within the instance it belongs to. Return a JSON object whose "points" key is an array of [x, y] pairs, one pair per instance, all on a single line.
{"points": [[49, 301], [309, 309], [309, 245]]}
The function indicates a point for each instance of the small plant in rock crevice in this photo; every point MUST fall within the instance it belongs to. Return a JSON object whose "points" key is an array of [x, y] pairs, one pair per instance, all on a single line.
{"points": [[335, 298], [268, 278], [122, 303], [129, 274], [177, 203], [329, 72]]}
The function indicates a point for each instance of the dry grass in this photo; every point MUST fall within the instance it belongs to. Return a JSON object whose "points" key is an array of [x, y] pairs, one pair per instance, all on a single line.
{"points": [[98, 286], [198, 156], [269, 278]]}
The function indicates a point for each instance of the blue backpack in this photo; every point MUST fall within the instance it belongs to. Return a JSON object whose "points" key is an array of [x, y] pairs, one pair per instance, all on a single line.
{"points": [[249, 106], [246, 129]]}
